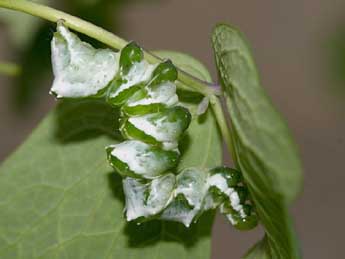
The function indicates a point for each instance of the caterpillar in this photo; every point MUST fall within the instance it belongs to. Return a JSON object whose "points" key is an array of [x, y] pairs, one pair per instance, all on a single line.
{"points": [[152, 122]]}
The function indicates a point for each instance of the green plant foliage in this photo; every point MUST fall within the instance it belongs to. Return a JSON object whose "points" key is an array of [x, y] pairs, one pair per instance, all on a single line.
{"points": [[264, 150], [60, 199]]}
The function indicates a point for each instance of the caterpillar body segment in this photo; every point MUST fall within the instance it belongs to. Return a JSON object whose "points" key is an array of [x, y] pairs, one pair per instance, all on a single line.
{"points": [[145, 199], [152, 122], [79, 69], [137, 159], [161, 129]]}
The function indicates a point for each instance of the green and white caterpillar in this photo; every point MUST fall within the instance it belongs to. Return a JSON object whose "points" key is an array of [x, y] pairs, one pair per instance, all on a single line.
{"points": [[152, 123]]}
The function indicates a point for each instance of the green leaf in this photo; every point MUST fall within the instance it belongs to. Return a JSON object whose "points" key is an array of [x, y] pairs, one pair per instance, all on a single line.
{"points": [[264, 150], [59, 198]]}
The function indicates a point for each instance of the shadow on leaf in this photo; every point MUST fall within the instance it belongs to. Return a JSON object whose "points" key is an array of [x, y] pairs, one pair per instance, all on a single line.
{"points": [[79, 120]]}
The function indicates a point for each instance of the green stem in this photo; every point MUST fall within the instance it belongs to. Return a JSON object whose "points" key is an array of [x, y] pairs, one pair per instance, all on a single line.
{"points": [[9, 69], [72, 22], [116, 42], [223, 125], [95, 32]]}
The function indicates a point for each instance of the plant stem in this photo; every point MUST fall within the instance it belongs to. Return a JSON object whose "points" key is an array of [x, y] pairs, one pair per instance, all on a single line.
{"points": [[9, 69], [223, 125], [73, 22], [116, 42], [97, 33]]}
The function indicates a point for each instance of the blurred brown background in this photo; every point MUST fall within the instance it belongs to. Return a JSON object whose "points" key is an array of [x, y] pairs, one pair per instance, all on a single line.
{"points": [[299, 46]]}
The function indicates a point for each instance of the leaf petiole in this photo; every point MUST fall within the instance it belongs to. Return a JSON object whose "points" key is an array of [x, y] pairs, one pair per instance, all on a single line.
{"points": [[223, 125]]}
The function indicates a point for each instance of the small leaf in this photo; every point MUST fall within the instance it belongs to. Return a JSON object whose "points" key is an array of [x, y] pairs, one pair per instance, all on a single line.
{"points": [[59, 198], [264, 150]]}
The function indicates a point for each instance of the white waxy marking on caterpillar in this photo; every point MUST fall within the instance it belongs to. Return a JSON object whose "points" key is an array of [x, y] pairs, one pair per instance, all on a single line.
{"points": [[164, 93], [161, 129], [159, 195], [220, 182], [139, 158], [79, 69], [192, 186], [139, 73]]}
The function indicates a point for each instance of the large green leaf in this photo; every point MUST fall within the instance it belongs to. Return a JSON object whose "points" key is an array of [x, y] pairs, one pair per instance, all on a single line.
{"points": [[264, 150], [60, 199]]}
